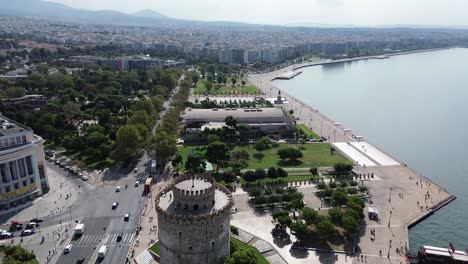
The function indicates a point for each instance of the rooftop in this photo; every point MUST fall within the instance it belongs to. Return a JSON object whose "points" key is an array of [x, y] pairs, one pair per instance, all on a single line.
{"points": [[167, 204], [195, 184], [259, 114], [10, 127]]}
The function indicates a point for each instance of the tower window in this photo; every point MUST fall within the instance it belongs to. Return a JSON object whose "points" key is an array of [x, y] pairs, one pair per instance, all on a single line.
{"points": [[190, 248], [195, 207]]}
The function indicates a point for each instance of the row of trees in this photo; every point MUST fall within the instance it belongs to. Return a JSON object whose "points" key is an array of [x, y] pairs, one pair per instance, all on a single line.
{"points": [[95, 113]]}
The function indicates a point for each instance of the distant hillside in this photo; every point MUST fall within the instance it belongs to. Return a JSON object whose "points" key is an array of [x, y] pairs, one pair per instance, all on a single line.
{"points": [[56, 11], [150, 14]]}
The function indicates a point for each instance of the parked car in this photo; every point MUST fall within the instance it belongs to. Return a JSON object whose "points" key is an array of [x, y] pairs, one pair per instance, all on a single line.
{"points": [[37, 220], [28, 232], [137, 184], [135, 170], [127, 217], [67, 248], [114, 205], [118, 188], [31, 225], [84, 178], [6, 235]]}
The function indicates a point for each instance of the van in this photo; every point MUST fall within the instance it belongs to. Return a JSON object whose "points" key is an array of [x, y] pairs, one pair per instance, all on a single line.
{"points": [[102, 252]]}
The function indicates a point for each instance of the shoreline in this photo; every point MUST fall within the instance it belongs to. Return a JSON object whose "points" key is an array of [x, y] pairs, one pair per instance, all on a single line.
{"points": [[373, 57], [398, 177]]}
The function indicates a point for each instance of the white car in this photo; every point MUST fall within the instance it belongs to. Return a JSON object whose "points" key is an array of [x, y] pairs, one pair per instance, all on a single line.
{"points": [[137, 184], [84, 178], [135, 170], [118, 188], [68, 248], [127, 217]]}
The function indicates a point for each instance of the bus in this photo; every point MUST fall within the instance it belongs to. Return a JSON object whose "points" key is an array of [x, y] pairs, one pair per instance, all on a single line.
{"points": [[148, 184]]}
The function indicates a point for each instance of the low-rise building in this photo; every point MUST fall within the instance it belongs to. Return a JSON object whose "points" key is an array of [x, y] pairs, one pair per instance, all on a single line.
{"points": [[259, 122], [22, 166]]}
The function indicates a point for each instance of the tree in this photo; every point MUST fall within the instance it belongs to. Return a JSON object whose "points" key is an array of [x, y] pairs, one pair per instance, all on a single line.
{"points": [[208, 86], [342, 168], [220, 77], [350, 224], [195, 78], [325, 228], [309, 215], [15, 92], [243, 256], [300, 230], [176, 161], [339, 198], [164, 145], [262, 144], [168, 80], [332, 150], [302, 141], [297, 204], [271, 173], [291, 154], [195, 164], [233, 81], [284, 220], [243, 83], [43, 69], [126, 144], [313, 171], [212, 138], [281, 172], [216, 153], [231, 123], [335, 215]]}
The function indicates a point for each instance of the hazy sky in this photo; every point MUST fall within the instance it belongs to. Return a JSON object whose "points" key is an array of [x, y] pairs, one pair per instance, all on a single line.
{"points": [[357, 12]]}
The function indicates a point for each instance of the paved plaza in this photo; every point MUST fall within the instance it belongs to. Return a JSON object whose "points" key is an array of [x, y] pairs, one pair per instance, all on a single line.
{"points": [[402, 196]]}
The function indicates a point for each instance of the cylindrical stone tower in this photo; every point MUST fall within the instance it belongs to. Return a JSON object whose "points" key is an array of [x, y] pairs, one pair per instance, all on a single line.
{"points": [[193, 220]]}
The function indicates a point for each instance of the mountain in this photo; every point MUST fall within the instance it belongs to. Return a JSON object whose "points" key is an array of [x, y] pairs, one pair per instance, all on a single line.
{"points": [[150, 14], [56, 11]]}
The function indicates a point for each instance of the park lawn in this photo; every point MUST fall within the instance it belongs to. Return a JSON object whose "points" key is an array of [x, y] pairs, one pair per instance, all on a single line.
{"points": [[299, 178], [243, 246], [155, 248], [247, 89], [315, 155], [308, 131]]}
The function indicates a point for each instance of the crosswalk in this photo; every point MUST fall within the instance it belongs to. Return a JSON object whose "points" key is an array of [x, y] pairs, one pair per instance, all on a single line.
{"points": [[144, 258], [93, 239], [88, 239], [125, 238], [87, 185]]}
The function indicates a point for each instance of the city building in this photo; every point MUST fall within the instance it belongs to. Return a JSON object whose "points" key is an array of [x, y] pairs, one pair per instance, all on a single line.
{"points": [[194, 221], [36, 101], [271, 122], [22, 166]]}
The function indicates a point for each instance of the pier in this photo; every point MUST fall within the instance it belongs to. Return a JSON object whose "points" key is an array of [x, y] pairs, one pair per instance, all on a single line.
{"points": [[403, 197]]}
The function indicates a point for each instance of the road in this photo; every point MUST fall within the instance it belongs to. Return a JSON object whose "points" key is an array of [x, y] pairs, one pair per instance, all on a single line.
{"points": [[104, 225]]}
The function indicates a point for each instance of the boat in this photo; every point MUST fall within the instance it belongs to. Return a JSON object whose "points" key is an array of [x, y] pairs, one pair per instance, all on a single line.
{"points": [[436, 255]]}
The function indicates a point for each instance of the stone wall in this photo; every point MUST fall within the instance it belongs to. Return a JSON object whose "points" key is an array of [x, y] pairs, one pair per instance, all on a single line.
{"points": [[188, 241]]}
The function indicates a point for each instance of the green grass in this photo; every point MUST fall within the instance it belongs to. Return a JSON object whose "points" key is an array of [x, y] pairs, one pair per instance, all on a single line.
{"points": [[243, 246], [247, 89], [308, 131], [155, 248], [315, 155]]}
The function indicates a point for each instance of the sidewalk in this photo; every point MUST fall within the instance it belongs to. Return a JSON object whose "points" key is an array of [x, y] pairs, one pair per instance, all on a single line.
{"points": [[51, 203], [149, 222]]}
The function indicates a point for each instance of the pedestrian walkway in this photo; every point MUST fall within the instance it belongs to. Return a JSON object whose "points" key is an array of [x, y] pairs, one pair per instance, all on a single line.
{"points": [[265, 248], [145, 258]]}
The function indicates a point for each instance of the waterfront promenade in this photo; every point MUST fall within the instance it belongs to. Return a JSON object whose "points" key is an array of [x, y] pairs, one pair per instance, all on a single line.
{"points": [[402, 196]]}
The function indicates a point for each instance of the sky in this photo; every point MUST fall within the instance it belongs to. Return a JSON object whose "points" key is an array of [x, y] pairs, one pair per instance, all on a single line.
{"points": [[281, 12]]}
